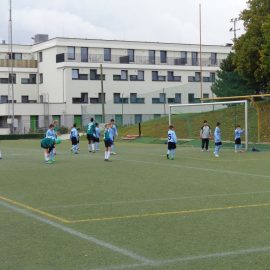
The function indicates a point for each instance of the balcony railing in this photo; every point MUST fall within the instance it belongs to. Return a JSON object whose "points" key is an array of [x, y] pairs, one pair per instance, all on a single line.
{"points": [[18, 63], [138, 60]]}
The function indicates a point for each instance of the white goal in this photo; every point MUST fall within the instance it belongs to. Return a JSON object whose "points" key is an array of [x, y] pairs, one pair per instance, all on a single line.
{"points": [[177, 109]]}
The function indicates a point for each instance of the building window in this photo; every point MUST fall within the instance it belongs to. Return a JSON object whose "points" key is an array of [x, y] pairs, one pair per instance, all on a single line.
{"points": [[71, 53], [75, 74], [138, 118], [4, 80], [156, 77], [117, 99], [41, 78], [16, 56], [84, 54], [134, 99], [163, 56], [176, 99], [25, 99], [140, 75], [130, 55], [213, 59], [183, 58], [107, 54], [30, 80], [194, 59], [3, 99], [84, 97], [212, 77], [205, 95], [172, 78], [99, 99], [40, 56], [152, 57], [197, 76], [124, 75], [160, 100], [12, 78], [191, 98]]}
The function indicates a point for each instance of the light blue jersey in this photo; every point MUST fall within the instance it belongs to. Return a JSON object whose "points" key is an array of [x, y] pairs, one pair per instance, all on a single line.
{"points": [[217, 135], [51, 134], [111, 134], [74, 133], [172, 136], [114, 130], [97, 132], [237, 133]]}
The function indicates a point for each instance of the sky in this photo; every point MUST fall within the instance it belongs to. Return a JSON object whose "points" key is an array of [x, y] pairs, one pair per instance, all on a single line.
{"points": [[174, 21]]}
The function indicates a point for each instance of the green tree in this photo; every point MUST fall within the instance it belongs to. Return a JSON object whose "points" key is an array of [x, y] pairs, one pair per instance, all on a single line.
{"points": [[229, 82], [252, 49]]}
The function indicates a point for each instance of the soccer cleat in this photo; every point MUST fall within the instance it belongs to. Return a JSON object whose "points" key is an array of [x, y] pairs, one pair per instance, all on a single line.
{"points": [[216, 155], [48, 162], [113, 153], [53, 160]]}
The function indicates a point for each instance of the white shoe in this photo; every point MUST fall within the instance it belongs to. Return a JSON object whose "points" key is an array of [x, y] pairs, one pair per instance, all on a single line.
{"points": [[113, 153], [216, 155]]}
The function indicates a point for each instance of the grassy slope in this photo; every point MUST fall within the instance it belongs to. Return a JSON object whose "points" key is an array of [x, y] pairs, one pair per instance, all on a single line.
{"points": [[188, 125]]}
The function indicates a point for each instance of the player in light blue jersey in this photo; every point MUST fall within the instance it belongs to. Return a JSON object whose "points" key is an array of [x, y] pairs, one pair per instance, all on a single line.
{"points": [[74, 137], [50, 134], [108, 141], [97, 139], [237, 139], [114, 134], [217, 139], [91, 135], [172, 141]]}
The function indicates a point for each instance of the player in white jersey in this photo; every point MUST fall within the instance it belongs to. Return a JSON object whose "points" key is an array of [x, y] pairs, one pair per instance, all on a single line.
{"points": [[114, 134], [205, 134], [172, 141], [237, 139], [74, 137]]}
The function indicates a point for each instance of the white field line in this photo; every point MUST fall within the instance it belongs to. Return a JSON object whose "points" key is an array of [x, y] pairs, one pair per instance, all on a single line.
{"points": [[156, 200], [162, 263], [194, 168], [78, 234]]}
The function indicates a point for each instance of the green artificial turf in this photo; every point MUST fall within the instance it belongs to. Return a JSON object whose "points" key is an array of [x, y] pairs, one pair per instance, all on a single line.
{"points": [[194, 212]]}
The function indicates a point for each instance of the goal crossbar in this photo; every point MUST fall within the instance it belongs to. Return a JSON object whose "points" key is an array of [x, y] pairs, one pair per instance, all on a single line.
{"points": [[245, 102]]}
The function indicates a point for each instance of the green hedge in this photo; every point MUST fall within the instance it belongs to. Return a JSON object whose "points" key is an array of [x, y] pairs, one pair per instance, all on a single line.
{"points": [[21, 136]]}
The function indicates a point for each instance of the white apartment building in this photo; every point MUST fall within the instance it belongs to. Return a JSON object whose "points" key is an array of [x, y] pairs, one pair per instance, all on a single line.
{"points": [[60, 78]]}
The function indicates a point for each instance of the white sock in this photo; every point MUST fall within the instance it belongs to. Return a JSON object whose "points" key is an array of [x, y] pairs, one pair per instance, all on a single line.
{"points": [[46, 157], [93, 147], [106, 154], [109, 153]]}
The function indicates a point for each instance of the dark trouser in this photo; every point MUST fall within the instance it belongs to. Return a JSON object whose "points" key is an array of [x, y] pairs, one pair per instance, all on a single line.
{"points": [[205, 143]]}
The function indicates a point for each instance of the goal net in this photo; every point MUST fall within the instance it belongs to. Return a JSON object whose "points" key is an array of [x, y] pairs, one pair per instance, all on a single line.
{"points": [[188, 119]]}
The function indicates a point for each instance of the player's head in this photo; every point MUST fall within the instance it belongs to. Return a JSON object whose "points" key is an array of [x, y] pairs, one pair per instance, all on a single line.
{"points": [[218, 124], [205, 122], [91, 119], [97, 124], [238, 126], [74, 125], [171, 127], [51, 126], [112, 120]]}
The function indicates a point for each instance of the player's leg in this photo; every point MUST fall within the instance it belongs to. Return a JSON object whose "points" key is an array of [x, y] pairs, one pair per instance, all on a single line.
{"points": [[206, 144]]}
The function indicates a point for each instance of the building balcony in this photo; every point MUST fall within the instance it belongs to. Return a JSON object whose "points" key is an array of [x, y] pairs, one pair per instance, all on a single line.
{"points": [[138, 60], [18, 63]]}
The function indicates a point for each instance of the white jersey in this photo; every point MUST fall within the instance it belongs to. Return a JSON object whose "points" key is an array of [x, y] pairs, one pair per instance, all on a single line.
{"points": [[172, 136]]}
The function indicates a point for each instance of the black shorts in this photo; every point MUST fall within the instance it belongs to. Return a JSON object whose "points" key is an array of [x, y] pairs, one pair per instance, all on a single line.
{"points": [[96, 139], [108, 143], [171, 145], [49, 148], [218, 143], [90, 138], [74, 141], [237, 141]]}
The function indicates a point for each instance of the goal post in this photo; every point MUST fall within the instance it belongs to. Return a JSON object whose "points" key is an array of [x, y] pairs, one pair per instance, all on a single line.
{"points": [[220, 103]]}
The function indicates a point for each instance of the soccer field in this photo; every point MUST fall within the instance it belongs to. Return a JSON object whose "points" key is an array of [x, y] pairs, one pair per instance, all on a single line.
{"points": [[140, 211]]}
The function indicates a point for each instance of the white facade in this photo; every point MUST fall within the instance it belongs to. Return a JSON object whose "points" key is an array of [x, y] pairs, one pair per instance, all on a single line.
{"points": [[61, 78]]}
